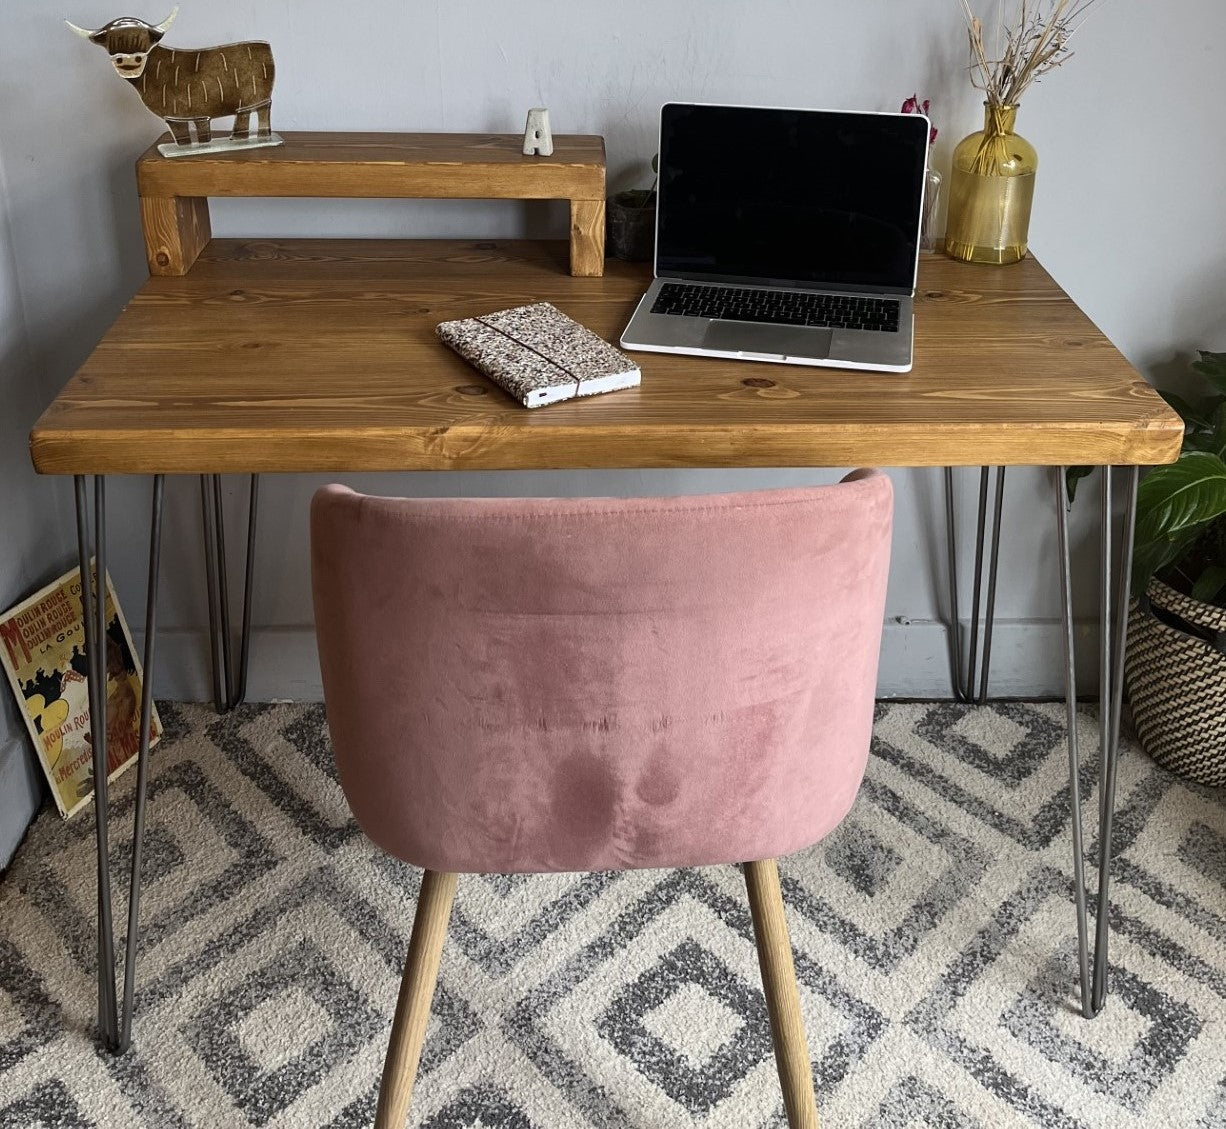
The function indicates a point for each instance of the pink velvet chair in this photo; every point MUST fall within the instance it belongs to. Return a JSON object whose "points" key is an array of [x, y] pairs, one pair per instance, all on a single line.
{"points": [[603, 683]]}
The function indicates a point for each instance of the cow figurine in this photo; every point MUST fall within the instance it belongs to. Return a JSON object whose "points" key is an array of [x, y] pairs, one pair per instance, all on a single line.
{"points": [[187, 88]]}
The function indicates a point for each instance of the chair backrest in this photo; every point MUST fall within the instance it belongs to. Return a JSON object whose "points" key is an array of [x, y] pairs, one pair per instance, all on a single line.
{"points": [[600, 683]]}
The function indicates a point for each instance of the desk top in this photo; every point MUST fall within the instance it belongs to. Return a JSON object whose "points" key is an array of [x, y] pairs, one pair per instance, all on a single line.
{"points": [[320, 355]]}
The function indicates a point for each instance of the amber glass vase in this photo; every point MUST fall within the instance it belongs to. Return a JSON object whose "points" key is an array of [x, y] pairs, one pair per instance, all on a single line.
{"points": [[990, 191]]}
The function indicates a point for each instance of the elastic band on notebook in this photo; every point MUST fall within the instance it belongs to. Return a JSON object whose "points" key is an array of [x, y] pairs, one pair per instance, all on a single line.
{"points": [[511, 337]]}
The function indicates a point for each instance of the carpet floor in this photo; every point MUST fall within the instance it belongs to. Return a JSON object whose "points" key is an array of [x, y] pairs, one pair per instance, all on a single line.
{"points": [[934, 936]]}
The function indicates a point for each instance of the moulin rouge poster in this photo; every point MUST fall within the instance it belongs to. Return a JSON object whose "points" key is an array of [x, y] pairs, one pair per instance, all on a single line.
{"points": [[42, 648]]}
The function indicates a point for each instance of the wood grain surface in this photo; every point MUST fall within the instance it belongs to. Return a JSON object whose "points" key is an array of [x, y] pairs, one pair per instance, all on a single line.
{"points": [[770, 930], [434, 902], [587, 228], [320, 355], [176, 231], [386, 165], [457, 166]]}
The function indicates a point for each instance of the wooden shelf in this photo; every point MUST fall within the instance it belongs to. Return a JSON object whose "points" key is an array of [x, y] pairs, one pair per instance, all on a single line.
{"points": [[174, 193]]}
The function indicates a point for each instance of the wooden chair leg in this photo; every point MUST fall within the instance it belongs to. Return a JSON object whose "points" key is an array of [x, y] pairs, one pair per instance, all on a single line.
{"points": [[782, 997], [416, 992]]}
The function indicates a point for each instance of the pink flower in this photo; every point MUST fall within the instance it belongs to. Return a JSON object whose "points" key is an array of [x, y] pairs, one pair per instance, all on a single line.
{"points": [[913, 105]]}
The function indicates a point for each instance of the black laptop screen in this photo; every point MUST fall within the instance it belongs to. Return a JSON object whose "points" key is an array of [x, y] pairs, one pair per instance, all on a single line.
{"points": [[822, 198]]}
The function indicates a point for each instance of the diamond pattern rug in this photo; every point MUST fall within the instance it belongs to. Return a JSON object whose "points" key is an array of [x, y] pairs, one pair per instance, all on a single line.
{"points": [[934, 937]]}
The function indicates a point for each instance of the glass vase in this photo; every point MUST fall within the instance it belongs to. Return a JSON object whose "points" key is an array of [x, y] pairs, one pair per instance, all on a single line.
{"points": [[928, 221], [991, 189]]}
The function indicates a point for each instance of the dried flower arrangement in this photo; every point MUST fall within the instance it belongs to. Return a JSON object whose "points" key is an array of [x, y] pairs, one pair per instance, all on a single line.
{"points": [[1035, 42]]}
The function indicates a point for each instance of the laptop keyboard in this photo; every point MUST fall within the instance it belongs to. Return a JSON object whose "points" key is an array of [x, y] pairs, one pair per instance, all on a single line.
{"points": [[782, 307]]}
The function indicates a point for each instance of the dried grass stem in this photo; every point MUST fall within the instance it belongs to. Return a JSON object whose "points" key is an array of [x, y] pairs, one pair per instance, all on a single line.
{"points": [[1035, 42]]}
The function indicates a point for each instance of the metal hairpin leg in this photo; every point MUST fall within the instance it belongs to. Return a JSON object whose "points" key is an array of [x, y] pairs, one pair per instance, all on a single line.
{"points": [[142, 764], [964, 672], [253, 502], [1113, 615], [229, 679], [115, 1029], [208, 510], [1111, 675], [93, 596]]}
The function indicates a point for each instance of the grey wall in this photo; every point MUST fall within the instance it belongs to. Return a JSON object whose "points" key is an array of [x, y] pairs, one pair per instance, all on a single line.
{"points": [[35, 525], [1127, 217], [70, 256]]}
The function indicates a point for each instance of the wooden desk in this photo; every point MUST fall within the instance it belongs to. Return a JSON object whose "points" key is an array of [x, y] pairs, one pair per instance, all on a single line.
{"points": [[321, 356]]}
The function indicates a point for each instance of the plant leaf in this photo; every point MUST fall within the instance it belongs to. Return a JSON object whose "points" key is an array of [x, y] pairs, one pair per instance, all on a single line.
{"points": [[1209, 583], [1073, 475], [1212, 365], [1149, 557], [1216, 439], [1200, 440], [1184, 495], [1192, 417]]}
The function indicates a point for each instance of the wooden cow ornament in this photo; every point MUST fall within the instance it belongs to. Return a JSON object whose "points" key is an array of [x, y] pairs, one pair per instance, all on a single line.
{"points": [[189, 87]]}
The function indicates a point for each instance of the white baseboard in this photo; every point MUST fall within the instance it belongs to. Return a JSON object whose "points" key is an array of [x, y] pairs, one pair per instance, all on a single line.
{"points": [[1027, 659], [1027, 662]]}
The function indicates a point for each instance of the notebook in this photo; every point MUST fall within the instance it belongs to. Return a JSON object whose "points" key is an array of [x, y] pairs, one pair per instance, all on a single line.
{"points": [[539, 355], [786, 235]]}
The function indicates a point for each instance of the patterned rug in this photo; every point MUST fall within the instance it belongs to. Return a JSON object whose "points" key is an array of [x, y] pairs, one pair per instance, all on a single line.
{"points": [[934, 937]]}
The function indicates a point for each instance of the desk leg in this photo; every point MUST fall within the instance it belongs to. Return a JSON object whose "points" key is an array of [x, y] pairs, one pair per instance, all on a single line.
{"points": [[964, 672], [239, 694], [229, 679], [1113, 625], [142, 764], [1111, 675], [217, 645], [93, 601], [93, 609]]}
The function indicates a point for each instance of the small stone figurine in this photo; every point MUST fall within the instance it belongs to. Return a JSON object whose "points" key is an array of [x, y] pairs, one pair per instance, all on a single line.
{"points": [[187, 88], [537, 137]]}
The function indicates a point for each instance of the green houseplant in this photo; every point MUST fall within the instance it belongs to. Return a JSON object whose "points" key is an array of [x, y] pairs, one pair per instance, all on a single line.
{"points": [[1176, 661], [1181, 507]]}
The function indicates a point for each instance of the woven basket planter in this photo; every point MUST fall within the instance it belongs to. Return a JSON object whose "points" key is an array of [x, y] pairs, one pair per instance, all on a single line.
{"points": [[1177, 682]]}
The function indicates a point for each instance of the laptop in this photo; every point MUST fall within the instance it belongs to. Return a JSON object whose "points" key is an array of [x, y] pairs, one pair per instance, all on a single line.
{"points": [[786, 235]]}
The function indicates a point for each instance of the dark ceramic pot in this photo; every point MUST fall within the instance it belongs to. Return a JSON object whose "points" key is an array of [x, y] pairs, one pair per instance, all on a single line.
{"points": [[631, 226]]}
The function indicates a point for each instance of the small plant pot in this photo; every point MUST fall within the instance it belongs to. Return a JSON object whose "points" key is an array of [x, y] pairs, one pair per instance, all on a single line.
{"points": [[630, 226], [1176, 673]]}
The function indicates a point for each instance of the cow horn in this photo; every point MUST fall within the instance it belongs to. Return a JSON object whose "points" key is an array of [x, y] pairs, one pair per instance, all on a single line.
{"points": [[80, 30], [164, 26]]}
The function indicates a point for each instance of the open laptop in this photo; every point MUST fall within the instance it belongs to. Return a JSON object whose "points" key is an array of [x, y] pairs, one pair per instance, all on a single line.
{"points": [[786, 235]]}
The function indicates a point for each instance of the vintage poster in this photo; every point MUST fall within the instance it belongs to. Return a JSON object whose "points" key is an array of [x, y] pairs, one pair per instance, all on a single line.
{"points": [[42, 647]]}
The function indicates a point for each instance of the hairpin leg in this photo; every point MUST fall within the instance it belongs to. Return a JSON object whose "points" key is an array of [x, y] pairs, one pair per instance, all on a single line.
{"points": [[223, 588], [994, 562], [142, 764], [93, 606], [115, 1027], [229, 679], [965, 672], [951, 560], [217, 652], [239, 694], [1111, 677], [1070, 689]]}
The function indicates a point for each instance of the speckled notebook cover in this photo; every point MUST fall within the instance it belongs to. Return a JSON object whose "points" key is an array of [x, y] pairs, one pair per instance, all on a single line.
{"points": [[539, 355]]}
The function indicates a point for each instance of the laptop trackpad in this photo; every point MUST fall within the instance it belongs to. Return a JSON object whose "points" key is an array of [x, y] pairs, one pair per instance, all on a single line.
{"points": [[754, 337]]}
